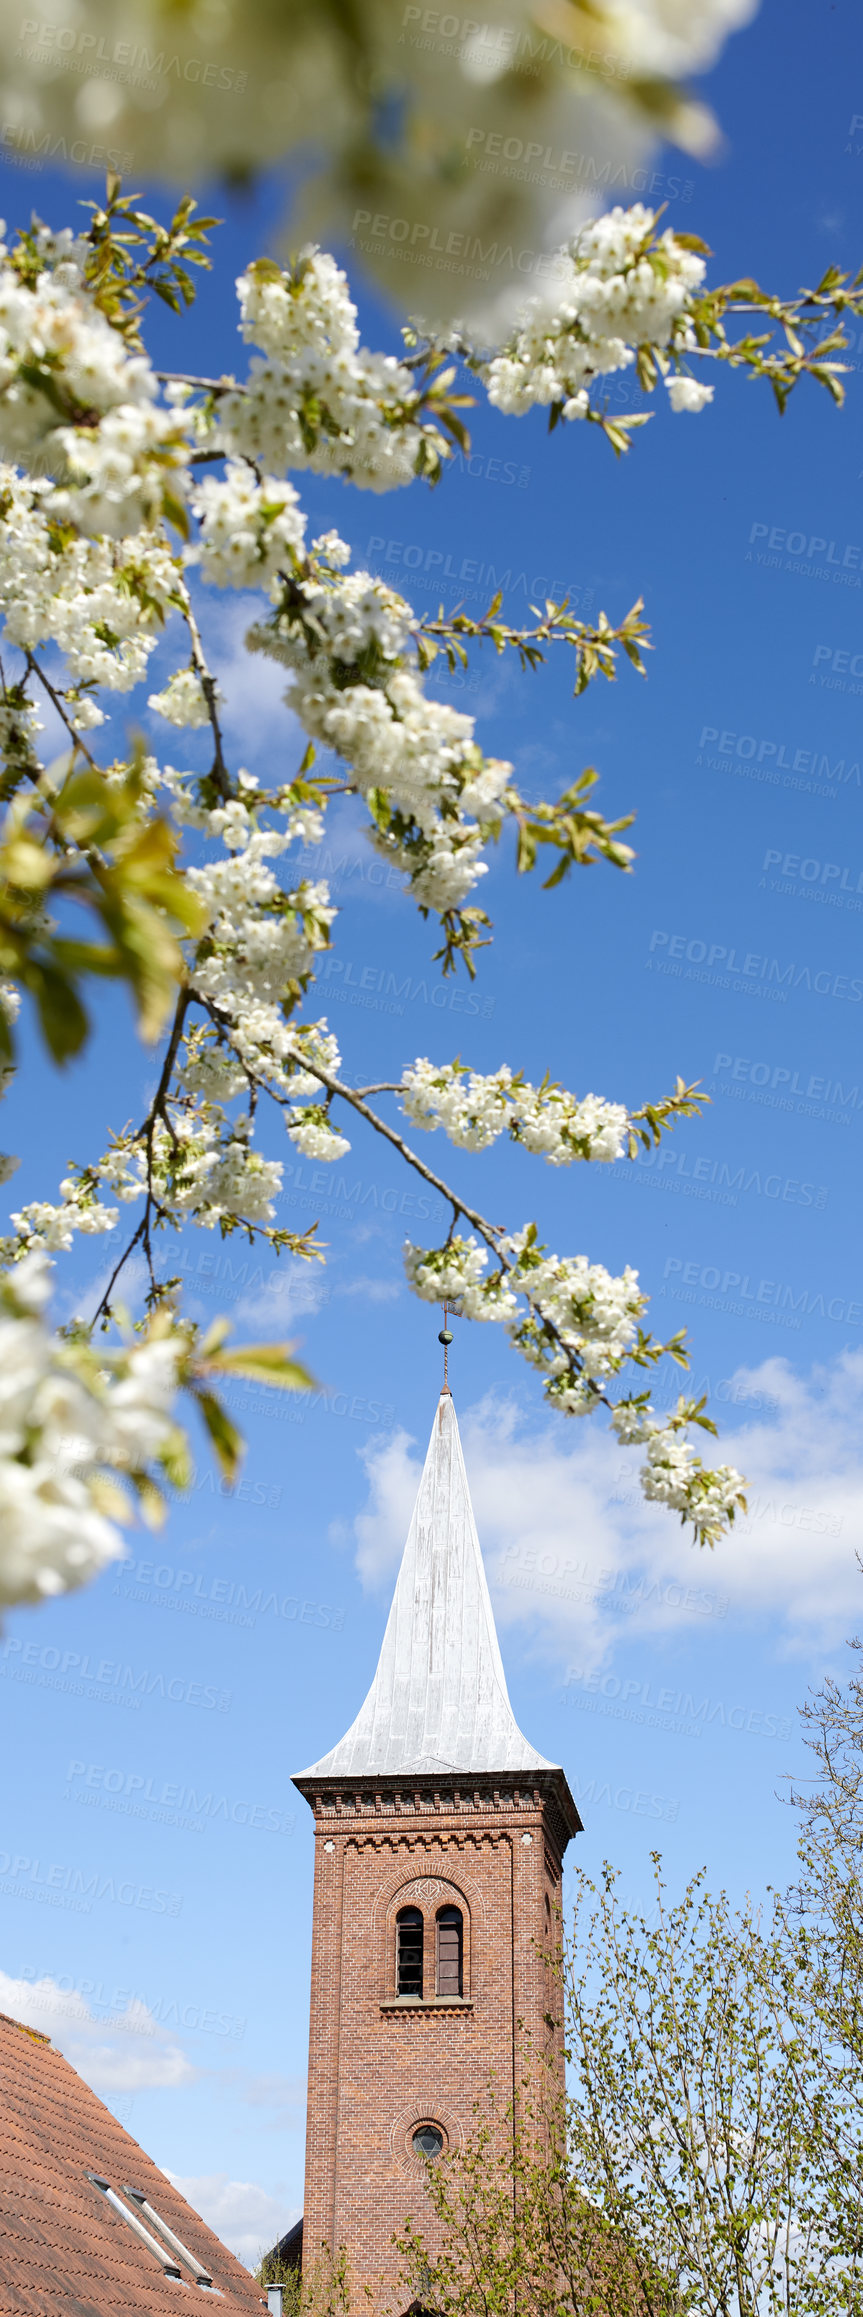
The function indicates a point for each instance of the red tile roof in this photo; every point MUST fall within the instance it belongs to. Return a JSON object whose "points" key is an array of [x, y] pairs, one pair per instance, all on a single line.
{"points": [[64, 2252]]}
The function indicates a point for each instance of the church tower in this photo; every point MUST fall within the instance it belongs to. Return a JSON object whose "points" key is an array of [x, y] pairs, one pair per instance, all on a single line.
{"points": [[439, 1838]]}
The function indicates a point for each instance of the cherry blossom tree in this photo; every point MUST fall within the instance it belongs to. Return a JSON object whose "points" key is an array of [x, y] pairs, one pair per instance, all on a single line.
{"points": [[127, 495]]}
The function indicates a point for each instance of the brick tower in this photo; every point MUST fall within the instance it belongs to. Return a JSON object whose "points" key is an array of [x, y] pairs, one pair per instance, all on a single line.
{"points": [[439, 1837]]}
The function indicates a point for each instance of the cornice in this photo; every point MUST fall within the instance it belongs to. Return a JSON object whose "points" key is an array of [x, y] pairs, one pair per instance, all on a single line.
{"points": [[461, 1803]]}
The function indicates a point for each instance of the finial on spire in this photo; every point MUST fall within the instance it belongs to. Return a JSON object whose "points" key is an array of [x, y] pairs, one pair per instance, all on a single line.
{"points": [[445, 1338]]}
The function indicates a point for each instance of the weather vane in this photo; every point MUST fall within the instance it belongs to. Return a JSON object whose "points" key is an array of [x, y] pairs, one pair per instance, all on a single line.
{"points": [[445, 1338]]}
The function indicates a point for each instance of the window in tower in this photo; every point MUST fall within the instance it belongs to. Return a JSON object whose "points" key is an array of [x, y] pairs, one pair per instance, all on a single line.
{"points": [[428, 2141], [409, 1952], [449, 1951]]}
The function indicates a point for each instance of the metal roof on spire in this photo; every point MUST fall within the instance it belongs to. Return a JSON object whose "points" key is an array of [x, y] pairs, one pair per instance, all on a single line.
{"points": [[439, 1698]]}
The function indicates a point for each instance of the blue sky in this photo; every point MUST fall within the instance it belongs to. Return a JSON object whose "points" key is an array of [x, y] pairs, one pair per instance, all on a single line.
{"points": [[238, 1646]]}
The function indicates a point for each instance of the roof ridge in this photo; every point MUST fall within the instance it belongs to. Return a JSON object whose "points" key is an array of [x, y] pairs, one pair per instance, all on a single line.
{"points": [[35, 2033]]}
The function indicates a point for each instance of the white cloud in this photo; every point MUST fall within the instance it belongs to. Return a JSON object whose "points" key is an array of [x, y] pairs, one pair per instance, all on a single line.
{"points": [[246, 2217], [287, 1291], [252, 712], [124, 2052], [373, 1290], [572, 1549]]}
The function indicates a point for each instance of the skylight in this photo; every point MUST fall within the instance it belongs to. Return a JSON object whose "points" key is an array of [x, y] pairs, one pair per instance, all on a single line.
{"points": [[200, 2274], [170, 2251]]}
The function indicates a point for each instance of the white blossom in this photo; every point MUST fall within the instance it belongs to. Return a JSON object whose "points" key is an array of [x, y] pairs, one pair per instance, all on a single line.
{"points": [[610, 295], [75, 404], [674, 1474], [315, 398], [688, 393], [43, 1224], [474, 1109], [456, 1274], [63, 1428], [310, 1131], [183, 700], [342, 636], [99, 600], [250, 531]]}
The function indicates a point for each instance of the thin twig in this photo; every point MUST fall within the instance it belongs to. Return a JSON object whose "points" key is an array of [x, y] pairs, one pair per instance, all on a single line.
{"points": [[206, 385], [104, 1305], [219, 770], [145, 1133], [54, 696]]}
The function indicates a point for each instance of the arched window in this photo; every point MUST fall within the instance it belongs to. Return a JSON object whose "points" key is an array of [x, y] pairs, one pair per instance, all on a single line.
{"points": [[409, 1951], [449, 1951]]}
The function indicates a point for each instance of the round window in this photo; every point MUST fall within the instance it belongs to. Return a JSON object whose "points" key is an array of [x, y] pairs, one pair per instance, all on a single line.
{"points": [[428, 2141]]}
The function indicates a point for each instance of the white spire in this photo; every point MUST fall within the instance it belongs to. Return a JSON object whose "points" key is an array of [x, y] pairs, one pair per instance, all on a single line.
{"points": [[439, 1699]]}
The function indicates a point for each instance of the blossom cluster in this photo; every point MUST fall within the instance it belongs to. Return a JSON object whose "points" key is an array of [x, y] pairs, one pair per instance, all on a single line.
{"points": [[250, 531], [581, 1325], [474, 1109], [615, 290], [342, 637], [101, 601], [260, 943], [673, 1473], [67, 1423], [581, 1321], [208, 1169], [315, 397], [75, 404]]}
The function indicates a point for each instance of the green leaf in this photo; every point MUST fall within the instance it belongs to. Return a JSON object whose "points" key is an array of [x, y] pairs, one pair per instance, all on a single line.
{"points": [[263, 1364], [226, 1440], [62, 1017]]}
